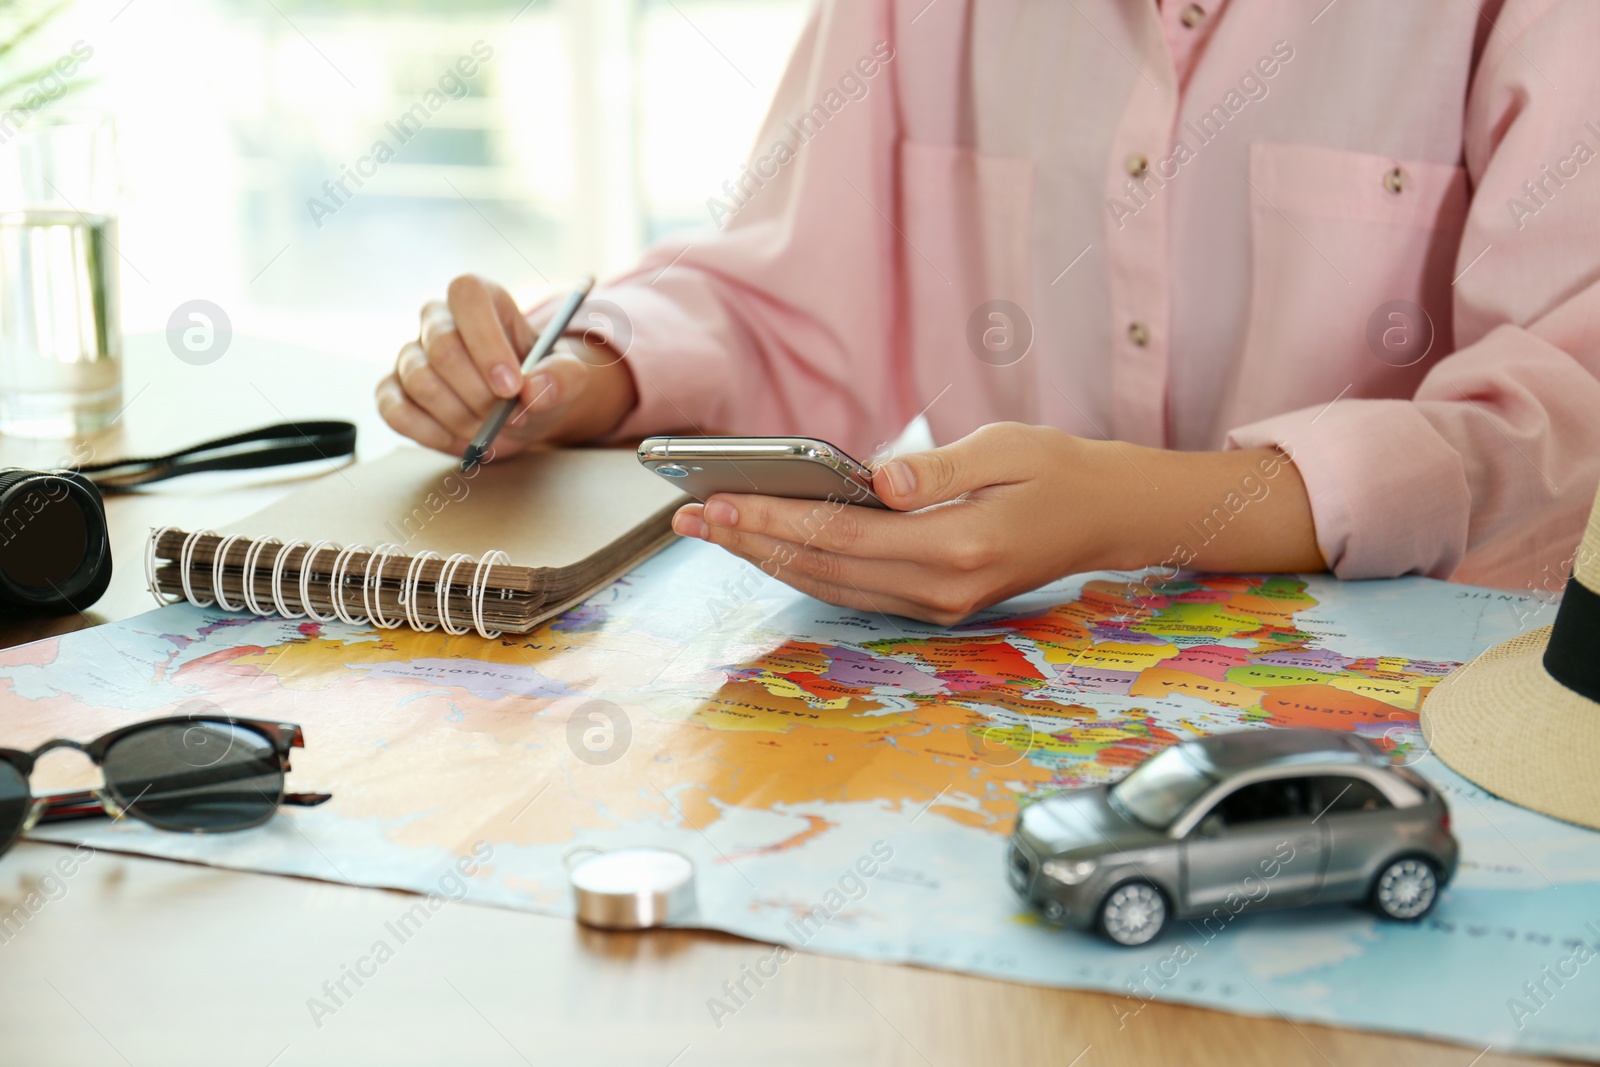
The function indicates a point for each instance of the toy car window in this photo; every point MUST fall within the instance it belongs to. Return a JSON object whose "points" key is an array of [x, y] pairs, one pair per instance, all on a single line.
{"points": [[1275, 798], [1346, 793], [1161, 787]]}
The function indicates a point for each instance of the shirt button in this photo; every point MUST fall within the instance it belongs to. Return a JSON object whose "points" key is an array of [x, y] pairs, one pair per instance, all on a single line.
{"points": [[1193, 15], [1138, 333], [1394, 180], [1136, 164]]}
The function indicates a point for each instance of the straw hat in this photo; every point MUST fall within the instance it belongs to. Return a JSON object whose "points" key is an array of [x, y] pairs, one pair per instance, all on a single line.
{"points": [[1523, 719]]}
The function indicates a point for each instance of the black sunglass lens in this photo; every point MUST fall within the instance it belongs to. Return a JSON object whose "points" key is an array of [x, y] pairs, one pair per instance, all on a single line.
{"points": [[14, 801], [202, 776]]}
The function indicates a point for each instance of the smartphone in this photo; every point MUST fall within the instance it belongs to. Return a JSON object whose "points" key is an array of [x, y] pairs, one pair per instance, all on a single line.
{"points": [[799, 468]]}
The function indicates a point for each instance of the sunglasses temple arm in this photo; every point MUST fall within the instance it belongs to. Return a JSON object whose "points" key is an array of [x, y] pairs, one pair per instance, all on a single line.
{"points": [[88, 804], [65, 807]]}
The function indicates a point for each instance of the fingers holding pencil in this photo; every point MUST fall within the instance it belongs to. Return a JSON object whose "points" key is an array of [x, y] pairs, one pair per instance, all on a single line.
{"points": [[440, 393], [493, 332], [507, 387]]}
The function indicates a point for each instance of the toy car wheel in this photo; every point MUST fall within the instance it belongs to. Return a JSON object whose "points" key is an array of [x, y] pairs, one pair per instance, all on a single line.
{"points": [[1406, 889], [1133, 913]]}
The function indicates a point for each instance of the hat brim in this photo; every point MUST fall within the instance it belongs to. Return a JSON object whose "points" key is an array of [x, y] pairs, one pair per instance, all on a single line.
{"points": [[1503, 723]]}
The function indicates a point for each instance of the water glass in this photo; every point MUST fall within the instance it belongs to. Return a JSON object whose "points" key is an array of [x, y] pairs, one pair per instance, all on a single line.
{"points": [[60, 334]]}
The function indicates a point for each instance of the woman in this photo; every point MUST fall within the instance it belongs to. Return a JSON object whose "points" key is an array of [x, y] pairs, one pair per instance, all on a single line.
{"points": [[1234, 285]]}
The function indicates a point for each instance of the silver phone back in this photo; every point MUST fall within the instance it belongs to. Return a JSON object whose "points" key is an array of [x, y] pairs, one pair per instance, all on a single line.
{"points": [[798, 468]]}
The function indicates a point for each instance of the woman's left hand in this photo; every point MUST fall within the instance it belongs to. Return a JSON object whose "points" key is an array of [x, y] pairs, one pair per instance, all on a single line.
{"points": [[1008, 509], [993, 515]]}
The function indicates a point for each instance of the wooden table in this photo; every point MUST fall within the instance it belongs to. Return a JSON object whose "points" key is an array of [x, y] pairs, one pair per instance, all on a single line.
{"points": [[148, 962]]}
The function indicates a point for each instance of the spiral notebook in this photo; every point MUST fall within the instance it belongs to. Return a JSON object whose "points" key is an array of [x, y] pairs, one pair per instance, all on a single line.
{"points": [[410, 540]]}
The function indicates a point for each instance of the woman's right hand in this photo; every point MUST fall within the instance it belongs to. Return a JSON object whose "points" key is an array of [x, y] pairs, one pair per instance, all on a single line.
{"points": [[467, 358]]}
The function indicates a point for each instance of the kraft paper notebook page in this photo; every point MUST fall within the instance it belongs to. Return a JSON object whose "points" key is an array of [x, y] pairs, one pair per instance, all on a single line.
{"points": [[409, 539]]}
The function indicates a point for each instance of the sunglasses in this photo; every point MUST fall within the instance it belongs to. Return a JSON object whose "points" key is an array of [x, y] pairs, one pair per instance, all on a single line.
{"points": [[192, 773]]}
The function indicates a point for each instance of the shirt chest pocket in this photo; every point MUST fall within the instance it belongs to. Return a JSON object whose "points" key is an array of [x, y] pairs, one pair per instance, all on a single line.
{"points": [[1351, 268]]}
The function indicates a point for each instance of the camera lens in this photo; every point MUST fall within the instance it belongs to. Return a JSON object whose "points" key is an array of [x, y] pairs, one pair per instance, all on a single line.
{"points": [[54, 554]]}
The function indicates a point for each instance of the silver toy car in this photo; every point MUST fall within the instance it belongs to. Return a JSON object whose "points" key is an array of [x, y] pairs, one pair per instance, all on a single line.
{"points": [[1261, 818]]}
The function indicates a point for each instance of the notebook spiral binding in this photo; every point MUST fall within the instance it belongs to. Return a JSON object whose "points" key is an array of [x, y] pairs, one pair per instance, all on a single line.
{"points": [[411, 592]]}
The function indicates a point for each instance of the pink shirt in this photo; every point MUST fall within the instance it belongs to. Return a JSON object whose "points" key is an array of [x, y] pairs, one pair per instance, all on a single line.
{"points": [[1368, 232]]}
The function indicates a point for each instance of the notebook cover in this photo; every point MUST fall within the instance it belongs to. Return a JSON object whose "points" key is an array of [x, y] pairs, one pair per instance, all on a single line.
{"points": [[548, 508], [571, 521]]}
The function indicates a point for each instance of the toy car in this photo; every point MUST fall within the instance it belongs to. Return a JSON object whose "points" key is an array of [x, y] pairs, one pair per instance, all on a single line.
{"points": [[1261, 818]]}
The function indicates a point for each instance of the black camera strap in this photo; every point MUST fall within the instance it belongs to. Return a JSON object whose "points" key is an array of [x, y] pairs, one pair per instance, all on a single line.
{"points": [[270, 446]]}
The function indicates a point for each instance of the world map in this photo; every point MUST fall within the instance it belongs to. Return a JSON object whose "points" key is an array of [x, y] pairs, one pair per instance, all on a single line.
{"points": [[788, 747]]}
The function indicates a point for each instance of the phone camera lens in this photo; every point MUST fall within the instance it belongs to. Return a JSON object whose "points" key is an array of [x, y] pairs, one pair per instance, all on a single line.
{"points": [[672, 470]]}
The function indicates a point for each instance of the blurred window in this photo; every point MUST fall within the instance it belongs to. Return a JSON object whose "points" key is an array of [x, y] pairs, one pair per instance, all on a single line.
{"points": [[321, 167]]}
